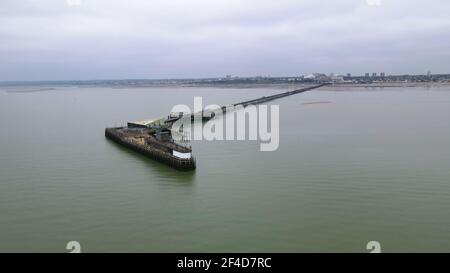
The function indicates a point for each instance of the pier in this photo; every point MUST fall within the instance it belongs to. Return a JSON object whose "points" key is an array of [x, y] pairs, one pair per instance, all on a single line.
{"points": [[276, 96], [154, 139], [143, 141], [207, 115]]}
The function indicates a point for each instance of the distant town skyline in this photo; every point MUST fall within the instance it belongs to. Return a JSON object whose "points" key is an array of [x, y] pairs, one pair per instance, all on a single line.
{"points": [[231, 76], [178, 39]]}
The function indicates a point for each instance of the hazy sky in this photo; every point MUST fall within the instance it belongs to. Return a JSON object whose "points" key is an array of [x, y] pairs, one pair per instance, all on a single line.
{"points": [[111, 39]]}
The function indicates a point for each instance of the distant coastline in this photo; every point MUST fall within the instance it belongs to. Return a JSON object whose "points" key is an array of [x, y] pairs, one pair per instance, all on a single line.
{"points": [[237, 83]]}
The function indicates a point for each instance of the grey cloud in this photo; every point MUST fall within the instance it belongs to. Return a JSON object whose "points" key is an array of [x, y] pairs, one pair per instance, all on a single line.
{"points": [[48, 39]]}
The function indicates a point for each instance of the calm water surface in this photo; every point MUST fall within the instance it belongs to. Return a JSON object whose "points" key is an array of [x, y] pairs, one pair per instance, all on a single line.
{"points": [[354, 165]]}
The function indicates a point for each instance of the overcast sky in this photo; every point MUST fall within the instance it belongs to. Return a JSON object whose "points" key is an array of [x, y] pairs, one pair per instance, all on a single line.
{"points": [[112, 39]]}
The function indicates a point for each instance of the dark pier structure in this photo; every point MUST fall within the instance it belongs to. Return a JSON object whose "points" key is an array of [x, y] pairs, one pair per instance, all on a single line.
{"points": [[153, 138], [207, 115], [277, 96], [145, 142]]}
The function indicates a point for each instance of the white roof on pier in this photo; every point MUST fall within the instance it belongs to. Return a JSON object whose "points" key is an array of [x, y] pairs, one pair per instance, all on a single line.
{"points": [[147, 122]]}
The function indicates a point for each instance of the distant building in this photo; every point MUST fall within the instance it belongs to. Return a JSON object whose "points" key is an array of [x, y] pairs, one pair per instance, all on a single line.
{"points": [[349, 75], [367, 75], [374, 74], [317, 77], [336, 78], [383, 74]]}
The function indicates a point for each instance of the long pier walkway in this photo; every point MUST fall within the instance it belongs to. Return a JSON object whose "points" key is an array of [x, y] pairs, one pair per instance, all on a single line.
{"points": [[277, 96], [209, 114]]}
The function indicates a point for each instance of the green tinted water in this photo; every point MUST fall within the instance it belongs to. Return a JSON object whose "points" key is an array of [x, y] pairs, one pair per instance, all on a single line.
{"points": [[361, 165]]}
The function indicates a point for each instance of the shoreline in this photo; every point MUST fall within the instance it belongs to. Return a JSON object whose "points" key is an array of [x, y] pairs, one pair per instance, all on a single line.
{"points": [[18, 88]]}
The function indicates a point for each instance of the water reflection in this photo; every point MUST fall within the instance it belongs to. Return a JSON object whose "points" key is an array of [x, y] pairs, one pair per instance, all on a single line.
{"points": [[160, 169]]}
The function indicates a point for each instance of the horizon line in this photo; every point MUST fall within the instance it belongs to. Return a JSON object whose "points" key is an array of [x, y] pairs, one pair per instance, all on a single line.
{"points": [[206, 78]]}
